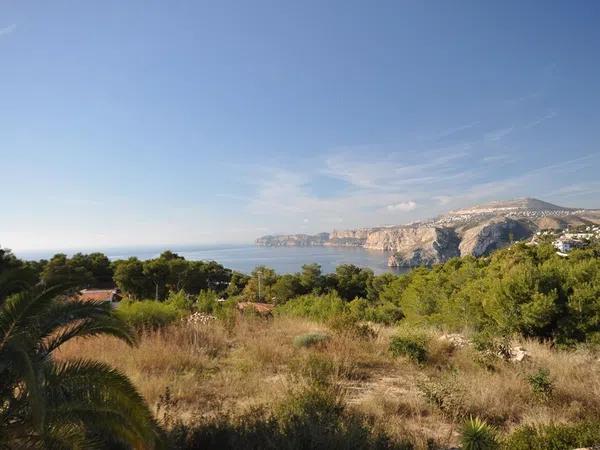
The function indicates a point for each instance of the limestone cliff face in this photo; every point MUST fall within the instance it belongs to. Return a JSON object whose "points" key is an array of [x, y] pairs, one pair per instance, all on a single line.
{"points": [[493, 234], [293, 240], [348, 238], [414, 246], [477, 230]]}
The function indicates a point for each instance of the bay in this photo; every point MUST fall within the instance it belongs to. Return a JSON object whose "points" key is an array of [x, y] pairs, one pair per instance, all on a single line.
{"points": [[244, 258]]}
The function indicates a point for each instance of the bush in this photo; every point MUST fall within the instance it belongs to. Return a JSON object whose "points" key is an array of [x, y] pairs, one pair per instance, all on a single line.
{"points": [[310, 339], [313, 417], [554, 437], [386, 313], [347, 324], [410, 343], [207, 302], [541, 384], [180, 300], [316, 307], [478, 435], [148, 313], [317, 369], [447, 394]]}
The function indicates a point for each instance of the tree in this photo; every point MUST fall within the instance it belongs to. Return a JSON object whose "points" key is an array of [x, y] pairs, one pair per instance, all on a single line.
{"points": [[311, 278], [97, 264], [259, 285], [377, 285], [129, 277], [178, 271], [237, 283], [352, 281], [80, 403], [217, 276], [286, 287], [157, 271], [14, 274], [195, 277], [61, 271]]}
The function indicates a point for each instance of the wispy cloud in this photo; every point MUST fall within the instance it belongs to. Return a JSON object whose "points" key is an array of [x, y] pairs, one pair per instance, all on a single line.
{"points": [[452, 131], [8, 29], [402, 206], [501, 133], [540, 120], [410, 186]]}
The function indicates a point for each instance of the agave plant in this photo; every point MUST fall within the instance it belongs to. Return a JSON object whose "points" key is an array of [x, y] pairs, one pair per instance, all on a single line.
{"points": [[77, 404], [478, 435]]}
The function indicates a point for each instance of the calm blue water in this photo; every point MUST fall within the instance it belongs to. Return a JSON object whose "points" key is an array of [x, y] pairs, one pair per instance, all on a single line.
{"points": [[245, 258]]}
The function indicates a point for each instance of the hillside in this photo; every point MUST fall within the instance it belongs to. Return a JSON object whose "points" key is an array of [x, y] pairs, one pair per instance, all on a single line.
{"points": [[476, 230]]}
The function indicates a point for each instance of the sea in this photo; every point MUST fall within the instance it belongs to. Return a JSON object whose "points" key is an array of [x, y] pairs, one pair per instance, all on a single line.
{"points": [[244, 258]]}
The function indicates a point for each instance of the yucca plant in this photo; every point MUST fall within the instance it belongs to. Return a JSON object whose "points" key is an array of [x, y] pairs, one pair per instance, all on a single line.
{"points": [[81, 404], [478, 435]]}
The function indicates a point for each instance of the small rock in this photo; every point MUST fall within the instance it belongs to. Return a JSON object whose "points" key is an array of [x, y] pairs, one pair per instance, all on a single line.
{"points": [[455, 339], [518, 354]]}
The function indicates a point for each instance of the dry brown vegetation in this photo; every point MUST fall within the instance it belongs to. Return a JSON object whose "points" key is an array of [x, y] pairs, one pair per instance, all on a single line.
{"points": [[211, 368]]}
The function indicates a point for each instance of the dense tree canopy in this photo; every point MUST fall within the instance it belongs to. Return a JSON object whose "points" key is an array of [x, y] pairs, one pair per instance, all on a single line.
{"points": [[522, 289]]}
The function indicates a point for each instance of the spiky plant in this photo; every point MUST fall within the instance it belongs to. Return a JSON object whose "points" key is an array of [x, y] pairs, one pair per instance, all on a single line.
{"points": [[478, 435], [45, 403]]}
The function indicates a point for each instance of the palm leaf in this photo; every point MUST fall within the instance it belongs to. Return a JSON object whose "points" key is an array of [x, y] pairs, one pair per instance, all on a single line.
{"points": [[76, 318], [20, 313], [99, 396]]}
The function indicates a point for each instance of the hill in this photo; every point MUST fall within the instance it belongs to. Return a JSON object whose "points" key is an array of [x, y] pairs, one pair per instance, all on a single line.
{"points": [[476, 230]]}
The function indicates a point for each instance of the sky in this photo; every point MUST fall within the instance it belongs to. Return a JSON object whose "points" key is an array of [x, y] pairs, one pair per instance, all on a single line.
{"points": [[191, 122]]}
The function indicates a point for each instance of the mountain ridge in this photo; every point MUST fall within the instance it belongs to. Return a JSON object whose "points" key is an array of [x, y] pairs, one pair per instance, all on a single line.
{"points": [[475, 230]]}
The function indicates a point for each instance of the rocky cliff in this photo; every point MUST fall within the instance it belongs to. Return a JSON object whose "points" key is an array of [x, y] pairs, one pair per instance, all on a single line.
{"points": [[476, 230], [293, 240]]}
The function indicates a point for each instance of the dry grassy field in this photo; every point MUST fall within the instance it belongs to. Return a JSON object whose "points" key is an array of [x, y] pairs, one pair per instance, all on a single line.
{"points": [[191, 372]]}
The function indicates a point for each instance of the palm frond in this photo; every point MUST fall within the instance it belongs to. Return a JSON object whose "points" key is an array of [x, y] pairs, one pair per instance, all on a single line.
{"points": [[77, 386], [35, 392], [75, 318], [20, 313]]}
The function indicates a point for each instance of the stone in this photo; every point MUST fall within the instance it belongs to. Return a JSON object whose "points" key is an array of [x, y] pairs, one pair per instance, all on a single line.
{"points": [[518, 354], [457, 340]]}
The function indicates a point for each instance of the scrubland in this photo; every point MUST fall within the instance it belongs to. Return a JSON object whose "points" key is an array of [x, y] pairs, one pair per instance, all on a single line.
{"points": [[213, 379]]}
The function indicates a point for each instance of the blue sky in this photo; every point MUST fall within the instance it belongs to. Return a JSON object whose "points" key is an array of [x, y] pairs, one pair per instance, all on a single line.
{"points": [[135, 123]]}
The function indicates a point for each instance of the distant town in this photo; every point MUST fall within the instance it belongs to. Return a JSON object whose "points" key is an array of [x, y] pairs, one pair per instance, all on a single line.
{"points": [[568, 239]]}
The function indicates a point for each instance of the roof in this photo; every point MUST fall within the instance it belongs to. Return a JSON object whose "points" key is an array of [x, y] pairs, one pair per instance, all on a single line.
{"points": [[105, 295], [261, 308]]}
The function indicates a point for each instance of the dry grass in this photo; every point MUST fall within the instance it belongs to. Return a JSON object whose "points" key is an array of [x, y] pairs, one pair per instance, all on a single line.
{"points": [[209, 369]]}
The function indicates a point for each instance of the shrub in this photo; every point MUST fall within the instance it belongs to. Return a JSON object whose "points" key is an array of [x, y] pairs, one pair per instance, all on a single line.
{"points": [[348, 324], [489, 343], [410, 343], [318, 369], [554, 437], [148, 313], [180, 300], [386, 313], [310, 339], [207, 302], [313, 417], [541, 384], [316, 307], [478, 435], [447, 394], [316, 418]]}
